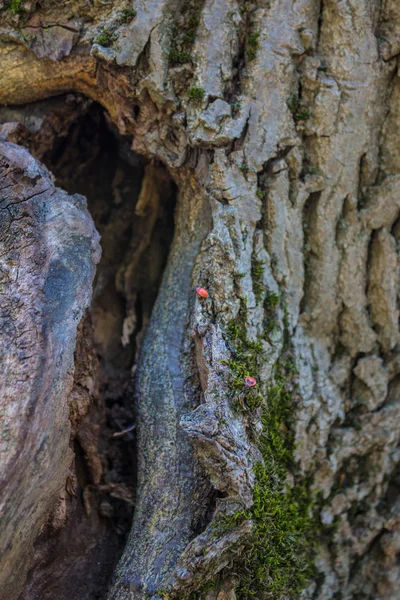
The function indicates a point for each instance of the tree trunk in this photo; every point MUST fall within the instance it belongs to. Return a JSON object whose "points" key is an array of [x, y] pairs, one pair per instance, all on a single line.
{"points": [[160, 441]]}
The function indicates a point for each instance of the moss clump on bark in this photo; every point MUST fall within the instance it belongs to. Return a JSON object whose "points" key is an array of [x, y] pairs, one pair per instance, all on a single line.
{"points": [[279, 558], [257, 275], [293, 103], [127, 15], [260, 193], [271, 300], [299, 111], [106, 37], [245, 362], [302, 114], [184, 33], [271, 321], [196, 93], [15, 7], [252, 45], [179, 57]]}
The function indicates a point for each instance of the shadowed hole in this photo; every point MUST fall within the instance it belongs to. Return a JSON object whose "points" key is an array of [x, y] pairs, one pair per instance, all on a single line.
{"points": [[79, 547]]}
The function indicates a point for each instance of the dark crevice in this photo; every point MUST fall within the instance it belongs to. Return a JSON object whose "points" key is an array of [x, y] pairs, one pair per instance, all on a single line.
{"points": [[320, 23], [309, 218], [238, 143], [78, 548], [238, 65], [371, 242], [208, 513], [363, 181]]}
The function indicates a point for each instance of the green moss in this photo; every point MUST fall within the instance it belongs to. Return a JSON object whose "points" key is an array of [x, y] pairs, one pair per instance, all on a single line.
{"points": [[127, 15], [225, 523], [292, 104], [247, 357], [252, 45], [272, 300], [183, 37], [278, 560], [202, 591], [257, 275], [271, 326], [15, 7], [196, 93], [302, 114], [179, 57], [260, 193], [189, 36], [236, 105], [271, 320], [106, 36]]}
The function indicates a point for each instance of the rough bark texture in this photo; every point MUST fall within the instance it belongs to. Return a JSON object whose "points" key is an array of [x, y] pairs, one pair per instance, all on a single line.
{"points": [[279, 123], [49, 251]]}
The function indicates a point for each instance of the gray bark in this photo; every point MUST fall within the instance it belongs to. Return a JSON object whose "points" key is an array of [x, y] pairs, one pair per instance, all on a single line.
{"points": [[279, 123]]}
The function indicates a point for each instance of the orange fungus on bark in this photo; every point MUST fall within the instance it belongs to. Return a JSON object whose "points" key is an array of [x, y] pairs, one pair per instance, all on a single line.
{"points": [[202, 292]]}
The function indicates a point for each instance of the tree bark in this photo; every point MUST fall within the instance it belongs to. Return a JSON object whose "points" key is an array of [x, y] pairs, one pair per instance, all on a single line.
{"points": [[276, 126]]}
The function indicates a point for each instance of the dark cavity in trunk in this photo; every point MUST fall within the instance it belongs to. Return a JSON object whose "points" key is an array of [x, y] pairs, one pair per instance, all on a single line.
{"points": [[79, 547]]}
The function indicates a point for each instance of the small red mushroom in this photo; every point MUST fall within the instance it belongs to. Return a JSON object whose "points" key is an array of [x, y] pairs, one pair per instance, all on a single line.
{"points": [[250, 382], [202, 292]]}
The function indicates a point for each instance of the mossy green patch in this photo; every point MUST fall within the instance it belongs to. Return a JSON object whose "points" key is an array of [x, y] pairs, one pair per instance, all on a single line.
{"points": [[196, 93], [278, 560], [179, 57], [300, 111], [106, 36], [252, 45], [245, 361], [302, 114], [127, 15], [260, 193], [311, 170], [183, 36], [257, 275], [272, 300], [293, 103], [15, 7], [194, 12], [271, 320]]}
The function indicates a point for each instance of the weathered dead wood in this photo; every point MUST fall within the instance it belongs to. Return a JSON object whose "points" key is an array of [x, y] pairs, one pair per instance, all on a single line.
{"points": [[49, 249]]}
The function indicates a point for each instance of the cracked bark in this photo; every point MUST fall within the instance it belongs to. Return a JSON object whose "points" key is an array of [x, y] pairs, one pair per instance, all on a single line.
{"points": [[288, 155]]}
